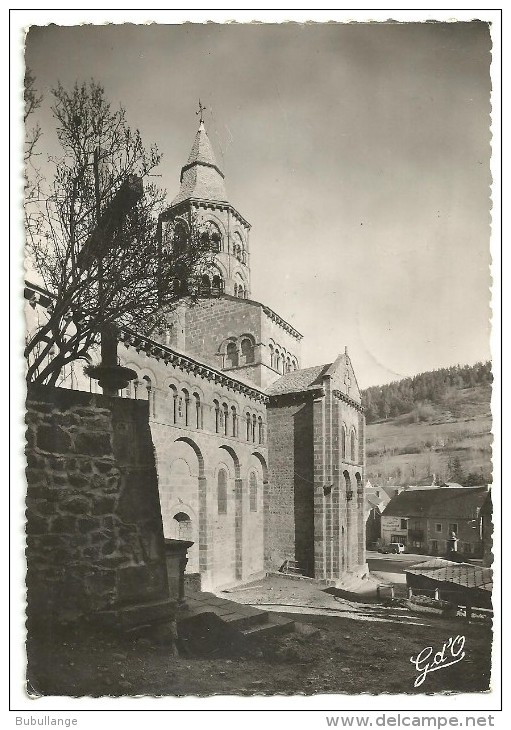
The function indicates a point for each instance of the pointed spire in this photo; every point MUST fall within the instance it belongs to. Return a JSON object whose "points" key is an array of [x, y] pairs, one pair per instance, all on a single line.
{"points": [[201, 177]]}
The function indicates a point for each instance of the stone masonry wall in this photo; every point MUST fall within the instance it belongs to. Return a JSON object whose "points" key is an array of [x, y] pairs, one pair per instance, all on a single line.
{"points": [[212, 321], [289, 524], [94, 529]]}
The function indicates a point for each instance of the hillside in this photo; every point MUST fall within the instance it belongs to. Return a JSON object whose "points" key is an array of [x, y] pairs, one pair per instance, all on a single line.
{"points": [[449, 437]]}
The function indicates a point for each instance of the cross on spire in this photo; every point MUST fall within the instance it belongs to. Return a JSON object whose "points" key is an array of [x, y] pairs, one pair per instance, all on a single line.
{"points": [[199, 113]]}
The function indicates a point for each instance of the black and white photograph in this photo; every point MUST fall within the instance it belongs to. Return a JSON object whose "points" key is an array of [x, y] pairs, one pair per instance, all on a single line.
{"points": [[259, 373]]}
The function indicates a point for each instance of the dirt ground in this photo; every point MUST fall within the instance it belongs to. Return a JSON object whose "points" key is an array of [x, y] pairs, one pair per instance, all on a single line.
{"points": [[344, 653]]}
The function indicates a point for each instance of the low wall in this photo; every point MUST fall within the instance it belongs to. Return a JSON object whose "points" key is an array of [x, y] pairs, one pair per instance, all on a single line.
{"points": [[94, 529]]}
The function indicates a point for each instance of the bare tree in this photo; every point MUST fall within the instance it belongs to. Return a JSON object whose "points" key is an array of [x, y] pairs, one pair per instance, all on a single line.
{"points": [[93, 238]]}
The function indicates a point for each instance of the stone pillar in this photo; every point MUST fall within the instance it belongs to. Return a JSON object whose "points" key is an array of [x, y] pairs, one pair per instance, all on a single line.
{"points": [[238, 528], [319, 496], [205, 530], [362, 510], [176, 554], [354, 525], [328, 481]]}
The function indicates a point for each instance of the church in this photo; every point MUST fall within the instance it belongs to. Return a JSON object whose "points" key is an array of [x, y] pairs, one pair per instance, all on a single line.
{"points": [[260, 461]]}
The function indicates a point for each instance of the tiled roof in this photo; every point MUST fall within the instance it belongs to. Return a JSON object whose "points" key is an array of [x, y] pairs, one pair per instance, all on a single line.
{"points": [[462, 574], [460, 503], [298, 380]]}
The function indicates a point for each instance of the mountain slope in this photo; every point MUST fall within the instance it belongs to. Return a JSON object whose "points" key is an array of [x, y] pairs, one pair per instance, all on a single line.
{"points": [[449, 436]]}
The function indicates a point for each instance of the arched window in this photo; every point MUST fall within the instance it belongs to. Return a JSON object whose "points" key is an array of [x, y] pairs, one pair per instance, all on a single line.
{"points": [[295, 366], [249, 425], [260, 429], [353, 445], [216, 241], [222, 492], [217, 286], [277, 360], [288, 365], [186, 407], [225, 411], [253, 491], [183, 527], [231, 355], [247, 350], [211, 237], [217, 416], [254, 427], [205, 286], [150, 393], [198, 411], [180, 238], [343, 441], [347, 484], [148, 386], [173, 391], [241, 295], [234, 421], [272, 356], [235, 290]]}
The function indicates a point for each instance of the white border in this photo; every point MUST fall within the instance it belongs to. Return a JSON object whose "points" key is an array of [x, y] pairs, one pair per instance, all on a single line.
{"points": [[294, 706]]}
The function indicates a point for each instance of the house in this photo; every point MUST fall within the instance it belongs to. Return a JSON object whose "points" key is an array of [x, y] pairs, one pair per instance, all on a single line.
{"points": [[376, 501], [425, 519]]}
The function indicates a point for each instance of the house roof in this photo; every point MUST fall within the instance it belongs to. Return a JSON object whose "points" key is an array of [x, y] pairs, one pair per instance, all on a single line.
{"points": [[462, 574], [299, 380], [377, 496], [458, 503]]}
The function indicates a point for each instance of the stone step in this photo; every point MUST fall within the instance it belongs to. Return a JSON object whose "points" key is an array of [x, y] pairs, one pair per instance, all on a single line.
{"points": [[137, 615], [273, 626], [245, 620]]}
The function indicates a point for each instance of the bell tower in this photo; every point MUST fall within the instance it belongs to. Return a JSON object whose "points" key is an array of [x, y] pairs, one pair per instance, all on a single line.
{"points": [[202, 203]]}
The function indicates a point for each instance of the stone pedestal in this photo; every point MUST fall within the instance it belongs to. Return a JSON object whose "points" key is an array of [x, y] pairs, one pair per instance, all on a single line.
{"points": [[176, 554]]}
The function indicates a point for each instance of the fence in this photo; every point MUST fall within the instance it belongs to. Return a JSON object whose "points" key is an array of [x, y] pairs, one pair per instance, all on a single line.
{"points": [[438, 594]]}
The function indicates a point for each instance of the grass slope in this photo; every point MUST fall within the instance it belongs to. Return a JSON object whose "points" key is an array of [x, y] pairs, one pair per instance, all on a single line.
{"points": [[413, 446]]}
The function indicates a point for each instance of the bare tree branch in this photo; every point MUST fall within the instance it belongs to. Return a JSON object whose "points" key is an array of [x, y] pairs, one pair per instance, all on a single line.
{"points": [[102, 263]]}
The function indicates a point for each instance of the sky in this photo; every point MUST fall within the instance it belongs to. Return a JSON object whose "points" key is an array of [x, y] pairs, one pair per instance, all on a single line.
{"points": [[358, 152]]}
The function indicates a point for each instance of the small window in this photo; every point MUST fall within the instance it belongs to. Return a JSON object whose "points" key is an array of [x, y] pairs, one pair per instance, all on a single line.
{"points": [[403, 524], [353, 445], [260, 430], [248, 423], [217, 285], [234, 421], [453, 527], [186, 404], [217, 416], [253, 492], [173, 391], [205, 286], [225, 419], [198, 411], [254, 426], [231, 355], [222, 492], [344, 438], [438, 527], [247, 350]]}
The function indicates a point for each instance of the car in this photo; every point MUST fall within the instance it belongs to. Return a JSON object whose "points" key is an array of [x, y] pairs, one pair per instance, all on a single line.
{"points": [[393, 547]]}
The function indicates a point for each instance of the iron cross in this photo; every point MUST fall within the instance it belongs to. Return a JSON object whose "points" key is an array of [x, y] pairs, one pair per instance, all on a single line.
{"points": [[199, 113]]}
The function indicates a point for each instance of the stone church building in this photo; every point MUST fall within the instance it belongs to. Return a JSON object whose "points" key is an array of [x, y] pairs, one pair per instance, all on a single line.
{"points": [[260, 462]]}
